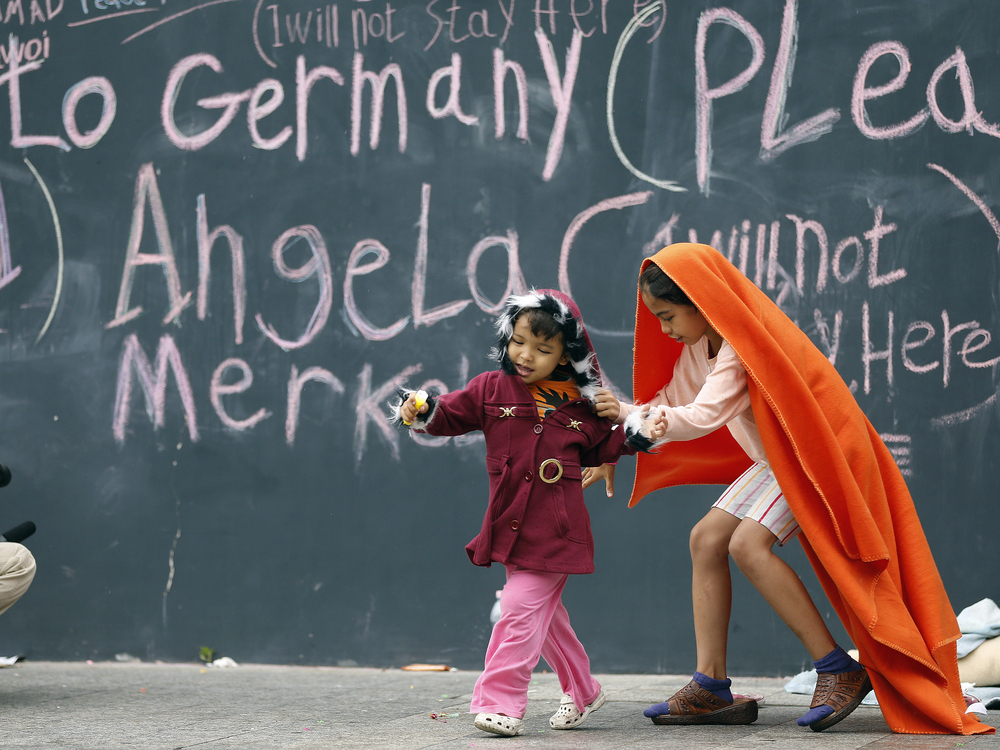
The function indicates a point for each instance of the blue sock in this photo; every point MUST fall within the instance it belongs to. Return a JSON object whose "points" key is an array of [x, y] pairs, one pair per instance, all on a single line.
{"points": [[660, 709], [814, 715], [836, 662], [718, 688]]}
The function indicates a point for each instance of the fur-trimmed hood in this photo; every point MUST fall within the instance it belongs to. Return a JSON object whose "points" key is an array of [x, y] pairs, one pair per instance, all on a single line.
{"points": [[576, 342], [576, 347]]}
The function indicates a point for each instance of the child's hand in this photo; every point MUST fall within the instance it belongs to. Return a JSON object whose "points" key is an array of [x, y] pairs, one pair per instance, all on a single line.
{"points": [[645, 429], [606, 405], [654, 426], [416, 403], [592, 474]]}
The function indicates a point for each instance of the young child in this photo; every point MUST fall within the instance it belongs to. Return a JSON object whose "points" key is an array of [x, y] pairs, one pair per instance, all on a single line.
{"points": [[536, 414], [712, 350]]}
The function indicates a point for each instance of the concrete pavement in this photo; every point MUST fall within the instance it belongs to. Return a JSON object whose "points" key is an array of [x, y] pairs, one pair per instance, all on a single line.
{"points": [[109, 705]]}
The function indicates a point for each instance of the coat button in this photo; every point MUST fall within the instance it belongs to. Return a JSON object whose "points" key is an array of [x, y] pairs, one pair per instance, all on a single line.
{"points": [[515, 525], [538, 429], [527, 476]]}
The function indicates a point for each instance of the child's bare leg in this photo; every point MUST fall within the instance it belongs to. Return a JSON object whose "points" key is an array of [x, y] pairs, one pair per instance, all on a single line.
{"points": [[842, 683], [752, 549], [712, 589], [707, 699]]}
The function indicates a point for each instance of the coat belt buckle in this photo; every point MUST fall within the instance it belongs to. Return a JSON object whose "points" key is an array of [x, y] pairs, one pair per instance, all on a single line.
{"points": [[545, 464]]}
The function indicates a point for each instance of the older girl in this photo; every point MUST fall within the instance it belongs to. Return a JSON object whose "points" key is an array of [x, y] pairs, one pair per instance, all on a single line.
{"points": [[712, 351]]}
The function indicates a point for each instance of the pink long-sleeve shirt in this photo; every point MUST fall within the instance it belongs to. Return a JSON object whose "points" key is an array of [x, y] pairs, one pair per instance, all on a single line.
{"points": [[703, 395]]}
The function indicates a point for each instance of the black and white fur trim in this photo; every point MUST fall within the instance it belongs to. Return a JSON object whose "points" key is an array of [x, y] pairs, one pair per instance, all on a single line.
{"points": [[420, 423], [634, 436], [575, 342]]}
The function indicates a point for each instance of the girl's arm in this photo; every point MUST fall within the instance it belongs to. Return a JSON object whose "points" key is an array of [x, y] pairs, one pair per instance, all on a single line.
{"points": [[722, 398], [607, 450], [599, 460], [606, 404], [452, 413]]}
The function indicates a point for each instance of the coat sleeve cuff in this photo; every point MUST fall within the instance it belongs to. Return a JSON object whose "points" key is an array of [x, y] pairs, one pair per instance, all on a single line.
{"points": [[634, 438], [422, 421]]}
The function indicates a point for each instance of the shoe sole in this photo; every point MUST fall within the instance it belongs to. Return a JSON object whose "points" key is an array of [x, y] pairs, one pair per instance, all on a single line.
{"points": [[741, 712], [497, 729], [836, 716]]}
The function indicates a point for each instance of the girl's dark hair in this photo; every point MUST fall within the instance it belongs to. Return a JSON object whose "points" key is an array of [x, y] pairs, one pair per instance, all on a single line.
{"points": [[542, 323], [657, 284]]}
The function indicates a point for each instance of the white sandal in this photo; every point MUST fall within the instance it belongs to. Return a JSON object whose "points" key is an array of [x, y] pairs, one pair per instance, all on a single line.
{"points": [[500, 724], [569, 716]]}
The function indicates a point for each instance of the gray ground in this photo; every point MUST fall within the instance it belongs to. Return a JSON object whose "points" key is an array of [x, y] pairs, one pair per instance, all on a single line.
{"points": [[153, 706]]}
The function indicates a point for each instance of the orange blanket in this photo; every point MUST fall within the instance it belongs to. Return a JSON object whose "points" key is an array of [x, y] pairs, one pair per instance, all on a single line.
{"points": [[859, 527]]}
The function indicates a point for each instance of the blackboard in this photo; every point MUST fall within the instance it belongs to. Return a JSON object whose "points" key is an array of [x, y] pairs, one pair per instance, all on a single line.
{"points": [[230, 228]]}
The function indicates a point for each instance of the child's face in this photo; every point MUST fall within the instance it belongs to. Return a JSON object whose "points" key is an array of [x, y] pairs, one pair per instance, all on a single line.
{"points": [[534, 358], [682, 323]]}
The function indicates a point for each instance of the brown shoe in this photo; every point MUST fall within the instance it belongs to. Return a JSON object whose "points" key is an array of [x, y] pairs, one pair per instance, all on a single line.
{"points": [[693, 704], [842, 692]]}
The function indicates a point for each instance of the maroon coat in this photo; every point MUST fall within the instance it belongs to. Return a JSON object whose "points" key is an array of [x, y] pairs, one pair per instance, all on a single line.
{"points": [[529, 522]]}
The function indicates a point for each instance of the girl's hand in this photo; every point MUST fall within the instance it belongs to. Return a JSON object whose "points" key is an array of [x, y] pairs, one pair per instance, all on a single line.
{"points": [[592, 474], [654, 426], [415, 404], [606, 405]]}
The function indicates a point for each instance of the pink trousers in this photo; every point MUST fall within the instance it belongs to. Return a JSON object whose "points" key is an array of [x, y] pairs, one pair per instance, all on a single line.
{"points": [[533, 623]]}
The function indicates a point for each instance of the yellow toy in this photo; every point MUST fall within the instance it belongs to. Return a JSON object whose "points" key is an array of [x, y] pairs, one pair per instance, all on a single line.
{"points": [[419, 399]]}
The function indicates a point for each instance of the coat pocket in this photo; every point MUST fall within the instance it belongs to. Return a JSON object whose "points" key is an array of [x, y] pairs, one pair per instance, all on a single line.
{"points": [[497, 469], [574, 523]]}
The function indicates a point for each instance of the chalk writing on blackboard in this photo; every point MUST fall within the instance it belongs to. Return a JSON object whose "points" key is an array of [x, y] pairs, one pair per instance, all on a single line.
{"points": [[819, 260], [900, 447], [60, 252]]}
